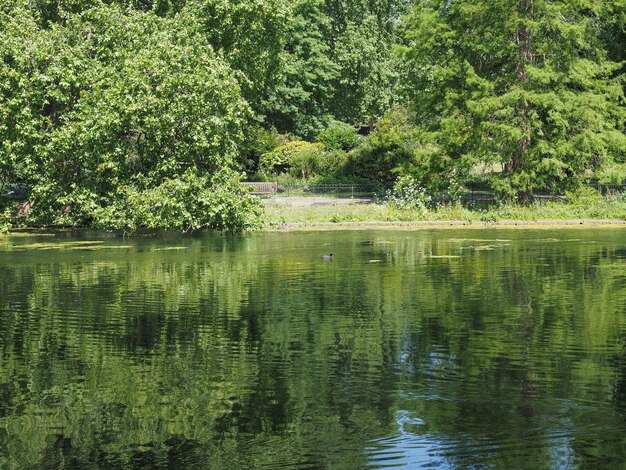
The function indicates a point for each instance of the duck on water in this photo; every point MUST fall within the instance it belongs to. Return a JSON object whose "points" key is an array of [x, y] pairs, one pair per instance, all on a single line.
{"points": [[328, 257]]}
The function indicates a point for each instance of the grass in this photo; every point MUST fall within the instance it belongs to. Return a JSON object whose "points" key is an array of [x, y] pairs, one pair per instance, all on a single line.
{"points": [[612, 207], [609, 208]]}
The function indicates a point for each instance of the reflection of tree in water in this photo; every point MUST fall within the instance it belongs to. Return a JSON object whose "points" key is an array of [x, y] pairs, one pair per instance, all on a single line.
{"points": [[237, 345]]}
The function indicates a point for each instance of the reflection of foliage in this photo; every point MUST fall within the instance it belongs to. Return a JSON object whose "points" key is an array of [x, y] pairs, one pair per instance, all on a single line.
{"points": [[231, 345]]}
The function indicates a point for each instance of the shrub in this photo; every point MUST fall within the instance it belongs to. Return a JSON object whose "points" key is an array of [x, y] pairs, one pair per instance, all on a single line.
{"points": [[257, 142], [6, 218], [298, 158], [612, 174], [408, 194], [338, 136], [390, 147], [189, 202], [584, 196]]}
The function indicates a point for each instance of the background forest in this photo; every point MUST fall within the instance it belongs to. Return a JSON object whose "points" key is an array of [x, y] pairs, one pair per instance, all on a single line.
{"points": [[121, 113]]}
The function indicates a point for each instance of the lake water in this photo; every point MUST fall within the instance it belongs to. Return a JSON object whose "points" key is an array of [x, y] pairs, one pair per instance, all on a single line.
{"points": [[444, 348]]}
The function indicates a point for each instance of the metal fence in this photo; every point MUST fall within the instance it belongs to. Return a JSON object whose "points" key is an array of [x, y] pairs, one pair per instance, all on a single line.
{"points": [[476, 193], [331, 190], [608, 188], [483, 192]]}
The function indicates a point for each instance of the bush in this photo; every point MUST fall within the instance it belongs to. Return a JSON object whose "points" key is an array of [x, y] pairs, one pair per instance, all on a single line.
{"points": [[390, 147], [338, 136], [257, 142], [330, 164], [298, 158], [612, 174], [6, 218], [190, 202], [584, 196], [408, 194]]}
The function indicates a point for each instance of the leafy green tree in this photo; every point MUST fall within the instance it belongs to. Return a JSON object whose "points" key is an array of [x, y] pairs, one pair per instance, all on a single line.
{"points": [[344, 13], [58, 11], [250, 34], [111, 102], [364, 89], [300, 101], [283, 56], [523, 83], [614, 30]]}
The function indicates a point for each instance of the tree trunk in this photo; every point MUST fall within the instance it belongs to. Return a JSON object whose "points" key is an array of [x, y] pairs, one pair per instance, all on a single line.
{"points": [[523, 40]]}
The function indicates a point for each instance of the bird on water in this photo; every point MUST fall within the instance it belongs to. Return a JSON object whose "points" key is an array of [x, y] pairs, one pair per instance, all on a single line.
{"points": [[328, 257]]}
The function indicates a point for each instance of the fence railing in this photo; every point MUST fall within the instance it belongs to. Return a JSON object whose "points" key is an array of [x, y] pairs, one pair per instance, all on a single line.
{"points": [[608, 188], [474, 193], [331, 190]]}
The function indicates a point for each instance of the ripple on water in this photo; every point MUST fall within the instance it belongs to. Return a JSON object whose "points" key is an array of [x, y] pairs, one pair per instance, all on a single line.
{"points": [[250, 352]]}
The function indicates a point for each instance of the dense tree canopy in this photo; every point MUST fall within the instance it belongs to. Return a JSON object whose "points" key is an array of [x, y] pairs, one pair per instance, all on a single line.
{"points": [[524, 83], [99, 100], [109, 103]]}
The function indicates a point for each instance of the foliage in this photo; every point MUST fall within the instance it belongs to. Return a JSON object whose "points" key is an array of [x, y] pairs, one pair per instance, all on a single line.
{"points": [[112, 103], [251, 36], [307, 161], [408, 194], [584, 196], [188, 202], [258, 141], [299, 158], [103, 99], [299, 102], [365, 87], [612, 174], [338, 136], [304, 60], [529, 84], [6, 217], [390, 148], [331, 164]]}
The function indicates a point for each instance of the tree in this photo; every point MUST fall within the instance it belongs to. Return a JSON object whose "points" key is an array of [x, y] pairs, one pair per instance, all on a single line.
{"points": [[300, 101], [114, 103], [250, 34], [364, 88], [523, 83]]}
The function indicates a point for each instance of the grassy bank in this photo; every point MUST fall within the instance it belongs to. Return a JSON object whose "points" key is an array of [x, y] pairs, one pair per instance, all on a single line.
{"points": [[610, 208], [277, 214]]}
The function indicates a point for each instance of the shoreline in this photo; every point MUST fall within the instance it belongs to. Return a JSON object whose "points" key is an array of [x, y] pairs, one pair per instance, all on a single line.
{"points": [[312, 226], [566, 223]]}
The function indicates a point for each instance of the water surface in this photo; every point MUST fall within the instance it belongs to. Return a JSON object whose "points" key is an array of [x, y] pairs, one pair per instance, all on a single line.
{"points": [[443, 348]]}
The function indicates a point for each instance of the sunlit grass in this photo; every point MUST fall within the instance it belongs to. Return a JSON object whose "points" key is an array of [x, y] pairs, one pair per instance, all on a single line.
{"points": [[610, 208]]}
